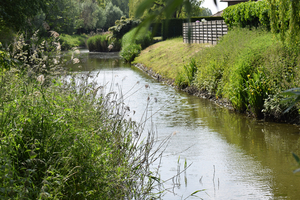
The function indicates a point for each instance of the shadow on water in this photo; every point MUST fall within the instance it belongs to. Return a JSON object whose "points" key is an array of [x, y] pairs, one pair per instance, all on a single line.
{"points": [[233, 157]]}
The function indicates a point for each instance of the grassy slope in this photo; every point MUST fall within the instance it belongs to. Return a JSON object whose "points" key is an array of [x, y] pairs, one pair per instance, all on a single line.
{"points": [[248, 67], [168, 57]]}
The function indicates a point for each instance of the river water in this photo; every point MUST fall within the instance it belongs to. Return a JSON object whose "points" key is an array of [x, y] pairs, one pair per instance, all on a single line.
{"points": [[231, 156]]}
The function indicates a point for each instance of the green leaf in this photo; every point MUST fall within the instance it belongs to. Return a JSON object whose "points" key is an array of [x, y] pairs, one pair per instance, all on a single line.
{"points": [[296, 158]]}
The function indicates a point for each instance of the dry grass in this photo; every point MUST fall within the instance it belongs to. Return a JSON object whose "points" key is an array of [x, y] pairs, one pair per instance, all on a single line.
{"points": [[168, 57]]}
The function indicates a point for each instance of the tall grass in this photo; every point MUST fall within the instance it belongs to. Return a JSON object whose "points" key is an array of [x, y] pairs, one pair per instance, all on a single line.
{"points": [[66, 138], [103, 43], [70, 41], [248, 67]]}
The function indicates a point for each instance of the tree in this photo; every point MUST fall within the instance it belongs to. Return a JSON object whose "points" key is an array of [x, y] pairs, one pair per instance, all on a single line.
{"points": [[113, 13], [284, 18], [91, 16], [15, 14], [123, 5]]}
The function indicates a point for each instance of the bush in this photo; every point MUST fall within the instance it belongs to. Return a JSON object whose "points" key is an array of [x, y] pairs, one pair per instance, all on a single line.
{"points": [[133, 42], [129, 52], [103, 43], [248, 14]]}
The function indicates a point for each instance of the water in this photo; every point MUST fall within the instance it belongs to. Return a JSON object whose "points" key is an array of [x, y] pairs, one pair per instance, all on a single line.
{"points": [[232, 156]]}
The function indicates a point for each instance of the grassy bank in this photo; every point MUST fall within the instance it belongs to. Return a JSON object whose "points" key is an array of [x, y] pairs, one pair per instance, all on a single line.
{"points": [[168, 57], [64, 137], [249, 68]]}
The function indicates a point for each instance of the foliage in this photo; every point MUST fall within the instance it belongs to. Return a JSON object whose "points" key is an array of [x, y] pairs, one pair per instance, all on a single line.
{"points": [[185, 77], [248, 14], [129, 52], [113, 13], [66, 138], [250, 69], [14, 14], [133, 42], [103, 43], [284, 16], [123, 5], [123, 26], [92, 16], [70, 41]]}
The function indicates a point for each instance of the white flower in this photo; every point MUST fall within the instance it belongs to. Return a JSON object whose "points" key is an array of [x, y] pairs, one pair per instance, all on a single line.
{"points": [[41, 79], [76, 60]]}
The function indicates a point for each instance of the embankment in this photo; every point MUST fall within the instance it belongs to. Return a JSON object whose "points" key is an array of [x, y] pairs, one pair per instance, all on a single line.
{"points": [[246, 71]]}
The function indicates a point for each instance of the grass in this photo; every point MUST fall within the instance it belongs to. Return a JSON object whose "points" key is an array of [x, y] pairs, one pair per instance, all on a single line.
{"points": [[70, 41], [64, 137], [250, 68], [169, 57], [103, 43]]}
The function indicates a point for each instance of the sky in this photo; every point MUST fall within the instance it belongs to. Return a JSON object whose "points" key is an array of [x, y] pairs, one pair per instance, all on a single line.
{"points": [[211, 5]]}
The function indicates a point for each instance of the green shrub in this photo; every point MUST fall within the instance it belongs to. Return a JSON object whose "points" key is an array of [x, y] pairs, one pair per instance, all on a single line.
{"points": [[248, 14], [129, 52], [133, 42], [103, 43]]}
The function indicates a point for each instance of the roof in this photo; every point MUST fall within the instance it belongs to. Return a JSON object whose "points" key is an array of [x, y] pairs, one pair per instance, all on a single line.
{"points": [[218, 14], [234, 0]]}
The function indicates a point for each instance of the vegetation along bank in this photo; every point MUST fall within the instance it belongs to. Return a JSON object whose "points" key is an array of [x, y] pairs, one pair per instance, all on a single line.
{"points": [[248, 68]]}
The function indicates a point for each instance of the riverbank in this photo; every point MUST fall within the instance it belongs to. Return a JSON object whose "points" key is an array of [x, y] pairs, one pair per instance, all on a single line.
{"points": [[247, 70]]}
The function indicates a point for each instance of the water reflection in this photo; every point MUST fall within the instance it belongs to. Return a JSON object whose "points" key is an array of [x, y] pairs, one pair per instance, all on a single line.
{"points": [[233, 157]]}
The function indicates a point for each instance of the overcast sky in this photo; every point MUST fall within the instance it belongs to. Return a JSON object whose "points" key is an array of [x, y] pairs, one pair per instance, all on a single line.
{"points": [[210, 4]]}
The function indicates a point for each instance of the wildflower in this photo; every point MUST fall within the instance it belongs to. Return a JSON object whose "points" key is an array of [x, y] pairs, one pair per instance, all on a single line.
{"points": [[248, 75], [41, 79], [76, 60]]}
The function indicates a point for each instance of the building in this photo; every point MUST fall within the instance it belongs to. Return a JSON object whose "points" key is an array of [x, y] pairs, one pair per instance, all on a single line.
{"points": [[233, 2]]}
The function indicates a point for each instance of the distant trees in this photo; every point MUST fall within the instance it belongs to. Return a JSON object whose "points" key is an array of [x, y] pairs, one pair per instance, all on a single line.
{"points": [[63, 16]]}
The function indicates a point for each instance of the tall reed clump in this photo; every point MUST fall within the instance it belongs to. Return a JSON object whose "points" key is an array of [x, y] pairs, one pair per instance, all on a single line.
{"points": [[63, 137], [134, 41], [250, 68], [70, 41], [103, 43]]}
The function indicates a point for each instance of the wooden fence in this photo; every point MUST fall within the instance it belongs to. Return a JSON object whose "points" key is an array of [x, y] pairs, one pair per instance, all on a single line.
{"points": [[204, 32]]}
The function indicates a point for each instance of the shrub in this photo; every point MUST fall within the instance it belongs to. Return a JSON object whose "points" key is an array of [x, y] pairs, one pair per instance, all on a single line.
{"points": [[129, 52], [248, 14], [134, 41]]}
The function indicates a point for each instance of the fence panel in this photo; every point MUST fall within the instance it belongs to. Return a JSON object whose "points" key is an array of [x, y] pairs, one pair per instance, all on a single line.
{"points": [[204, 32]]}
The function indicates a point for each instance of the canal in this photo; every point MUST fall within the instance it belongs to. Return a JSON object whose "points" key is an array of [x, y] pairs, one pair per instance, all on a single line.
{"points": [[231, 156]]}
